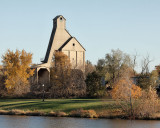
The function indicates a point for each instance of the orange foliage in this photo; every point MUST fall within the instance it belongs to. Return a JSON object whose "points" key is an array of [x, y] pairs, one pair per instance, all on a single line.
{"points": [[125, 89]]}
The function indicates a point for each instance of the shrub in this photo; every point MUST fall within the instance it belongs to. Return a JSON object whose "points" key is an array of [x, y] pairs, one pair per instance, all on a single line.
{"points": [[61, 114], [17, 112], [126, 94], [148, 104], [84, 113], [57, 114]]}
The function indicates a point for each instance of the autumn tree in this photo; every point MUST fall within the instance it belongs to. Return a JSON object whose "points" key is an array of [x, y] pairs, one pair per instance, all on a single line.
{"points": [[125, 92], [66, 82], [60, 74], [134, 101], [148, 103], [17, 71]]}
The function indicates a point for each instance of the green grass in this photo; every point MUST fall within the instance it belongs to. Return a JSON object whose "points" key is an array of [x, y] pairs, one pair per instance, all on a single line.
{"points": [[65, 105]]}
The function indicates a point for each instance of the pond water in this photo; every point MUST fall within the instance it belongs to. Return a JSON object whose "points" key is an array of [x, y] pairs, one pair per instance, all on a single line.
{"points": [[56, 122]]}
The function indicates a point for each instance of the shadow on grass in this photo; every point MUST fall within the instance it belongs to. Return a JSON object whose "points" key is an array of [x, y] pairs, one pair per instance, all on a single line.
{"points": [[65, 105]]}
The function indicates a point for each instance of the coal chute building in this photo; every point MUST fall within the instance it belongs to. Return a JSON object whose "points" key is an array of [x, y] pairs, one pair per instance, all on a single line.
{"points": [[60, 40]]}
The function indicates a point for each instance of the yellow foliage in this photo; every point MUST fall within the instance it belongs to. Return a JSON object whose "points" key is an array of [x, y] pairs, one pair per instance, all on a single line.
{"points": [[17, 69]]}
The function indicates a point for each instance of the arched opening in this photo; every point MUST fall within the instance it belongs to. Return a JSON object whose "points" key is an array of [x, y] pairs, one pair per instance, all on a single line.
{"points": [[43, 76]]}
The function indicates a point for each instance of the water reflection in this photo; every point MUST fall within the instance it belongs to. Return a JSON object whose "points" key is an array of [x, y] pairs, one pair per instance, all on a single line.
{"points": [[54, 122]]}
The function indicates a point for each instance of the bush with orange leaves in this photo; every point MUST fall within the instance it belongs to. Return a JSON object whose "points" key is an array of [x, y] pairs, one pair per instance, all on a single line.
{"points": [[126, 94], [135, 102], [125, 90]]}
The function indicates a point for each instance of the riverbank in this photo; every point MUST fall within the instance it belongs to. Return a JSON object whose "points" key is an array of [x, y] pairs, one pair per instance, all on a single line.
{"points": [[76, 113], [84, 108], [87, 108]]}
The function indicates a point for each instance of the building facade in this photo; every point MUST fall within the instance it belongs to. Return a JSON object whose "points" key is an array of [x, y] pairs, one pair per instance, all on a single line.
{"points": [[60, 40]]}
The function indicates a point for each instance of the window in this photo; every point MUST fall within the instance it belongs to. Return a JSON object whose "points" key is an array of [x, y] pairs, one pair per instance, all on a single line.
{"points": [[73, 44]]}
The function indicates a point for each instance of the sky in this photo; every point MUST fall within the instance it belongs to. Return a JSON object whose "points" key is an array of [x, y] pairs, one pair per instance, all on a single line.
{"points": [[99, 25]]}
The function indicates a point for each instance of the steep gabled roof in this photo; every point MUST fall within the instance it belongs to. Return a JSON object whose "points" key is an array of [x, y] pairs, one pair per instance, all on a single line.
{"points": [[67, 43], [49, 46], [79, 43]]}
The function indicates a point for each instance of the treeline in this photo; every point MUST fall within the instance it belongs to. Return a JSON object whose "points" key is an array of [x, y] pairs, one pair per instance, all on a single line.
{"points": [[65, 82], [135, 93], [18, 71], [114, 66], [114, 76]]}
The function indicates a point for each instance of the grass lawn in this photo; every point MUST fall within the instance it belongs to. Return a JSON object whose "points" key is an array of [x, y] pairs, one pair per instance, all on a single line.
{"points": [[65, 105]]}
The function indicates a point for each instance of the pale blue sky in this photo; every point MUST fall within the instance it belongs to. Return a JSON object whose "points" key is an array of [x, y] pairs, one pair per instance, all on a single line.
{"points": [[99, 25]]}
